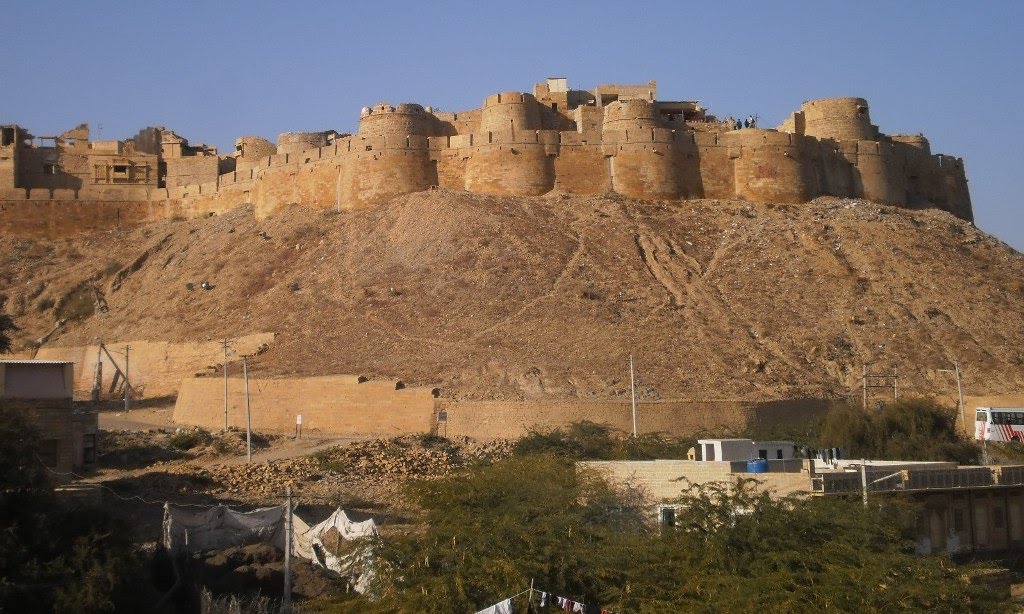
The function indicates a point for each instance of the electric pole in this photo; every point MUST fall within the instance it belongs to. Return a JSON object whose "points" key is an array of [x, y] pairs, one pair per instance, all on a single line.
{"points": [[286, 598], [225, 384], [127, 385], [248, 412]]}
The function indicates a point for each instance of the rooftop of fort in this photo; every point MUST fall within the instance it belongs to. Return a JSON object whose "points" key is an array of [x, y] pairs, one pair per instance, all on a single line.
{"points": [[609, 139]]}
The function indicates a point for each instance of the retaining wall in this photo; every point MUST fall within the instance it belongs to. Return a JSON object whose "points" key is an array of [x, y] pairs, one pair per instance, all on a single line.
{"points": [[337, 404]]}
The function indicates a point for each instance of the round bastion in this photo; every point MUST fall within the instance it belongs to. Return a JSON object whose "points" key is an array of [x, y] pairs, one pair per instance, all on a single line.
{"points": [[840, 119], [295, 142], [508, 111], [629, 115], [399, 121]]}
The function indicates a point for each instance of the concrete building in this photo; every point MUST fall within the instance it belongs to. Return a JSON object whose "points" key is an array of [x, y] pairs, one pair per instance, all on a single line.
{"points": [[744, 450], [963, 508], [42, 390]]}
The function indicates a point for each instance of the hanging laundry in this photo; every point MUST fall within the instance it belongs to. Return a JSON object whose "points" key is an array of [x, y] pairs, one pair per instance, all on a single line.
{"points": [[504, 607], [543, 599]]}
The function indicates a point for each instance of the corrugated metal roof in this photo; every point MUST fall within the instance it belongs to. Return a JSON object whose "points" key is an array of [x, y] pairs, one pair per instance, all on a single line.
{"points": [[37, 362]]}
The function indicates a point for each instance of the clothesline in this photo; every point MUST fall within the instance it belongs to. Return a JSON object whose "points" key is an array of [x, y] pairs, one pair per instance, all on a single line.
{"points": [[546, 598]]}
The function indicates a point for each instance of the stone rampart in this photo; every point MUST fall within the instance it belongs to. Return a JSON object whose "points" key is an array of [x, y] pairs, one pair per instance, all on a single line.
{"points": [[828, 147]]}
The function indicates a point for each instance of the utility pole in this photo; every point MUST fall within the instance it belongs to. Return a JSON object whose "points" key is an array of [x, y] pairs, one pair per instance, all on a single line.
{"points": [[127, 385], [864, 480], [97, 382], [225, 384], [959, 390], [286, 598], [864, 386], [248, 412], [632, 390]]}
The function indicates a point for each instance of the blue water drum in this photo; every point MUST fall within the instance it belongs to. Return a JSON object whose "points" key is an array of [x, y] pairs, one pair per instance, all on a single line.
{"points": [[757, 465]]}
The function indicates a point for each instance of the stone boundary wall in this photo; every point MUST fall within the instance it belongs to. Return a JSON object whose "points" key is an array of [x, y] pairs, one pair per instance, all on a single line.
{"points": [[512, 419], [335, 404], [156, 368]]}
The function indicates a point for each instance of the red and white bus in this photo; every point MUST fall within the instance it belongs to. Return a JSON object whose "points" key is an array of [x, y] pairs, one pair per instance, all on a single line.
{"points": [[999, 424]]}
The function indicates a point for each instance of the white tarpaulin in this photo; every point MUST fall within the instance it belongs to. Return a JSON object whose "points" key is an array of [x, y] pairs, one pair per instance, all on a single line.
{"points": [[195, 529], [322, 545]]}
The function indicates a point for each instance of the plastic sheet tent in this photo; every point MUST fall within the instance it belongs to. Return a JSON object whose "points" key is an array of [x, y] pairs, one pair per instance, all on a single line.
{"points": [[192, 529]]}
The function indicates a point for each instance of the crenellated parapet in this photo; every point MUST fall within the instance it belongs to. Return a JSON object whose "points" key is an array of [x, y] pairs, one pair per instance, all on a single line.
{"points": [[612, 139]]}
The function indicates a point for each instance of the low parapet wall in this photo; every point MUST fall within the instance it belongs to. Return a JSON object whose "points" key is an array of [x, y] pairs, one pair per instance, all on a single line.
{"points": [[337, 404]]}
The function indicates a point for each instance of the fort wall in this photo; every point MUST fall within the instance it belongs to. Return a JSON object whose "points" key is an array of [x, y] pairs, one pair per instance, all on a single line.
{"points": [[515, 144]]}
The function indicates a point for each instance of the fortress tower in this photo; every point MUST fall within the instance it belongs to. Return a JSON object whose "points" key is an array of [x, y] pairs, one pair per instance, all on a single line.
{"points": [[389, 156], [509, 152], [839, 119], [642, 152]]}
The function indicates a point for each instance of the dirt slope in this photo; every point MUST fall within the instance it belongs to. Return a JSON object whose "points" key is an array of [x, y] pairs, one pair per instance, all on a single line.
{"points": [[492, 297]]}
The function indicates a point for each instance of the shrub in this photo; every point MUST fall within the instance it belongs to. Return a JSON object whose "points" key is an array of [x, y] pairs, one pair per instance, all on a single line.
{"points": [[188, 439]]}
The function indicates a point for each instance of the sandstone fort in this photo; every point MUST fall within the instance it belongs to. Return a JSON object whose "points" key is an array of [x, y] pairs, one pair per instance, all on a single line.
{"points": [[611, 139]]}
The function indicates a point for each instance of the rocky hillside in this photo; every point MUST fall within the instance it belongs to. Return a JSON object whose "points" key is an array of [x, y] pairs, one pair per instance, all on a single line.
{"points": [[491, 297]]}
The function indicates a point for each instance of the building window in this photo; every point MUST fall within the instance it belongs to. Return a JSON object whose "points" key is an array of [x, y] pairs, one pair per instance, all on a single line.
{"points": [[88, 449], [762, 454], [778, 454], [49, 169], [667, 517], [958, 520], [998, 517], [48, 452]]}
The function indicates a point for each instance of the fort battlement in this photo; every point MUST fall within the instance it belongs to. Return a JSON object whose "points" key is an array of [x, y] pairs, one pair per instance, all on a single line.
{"points": [[611, 139]]}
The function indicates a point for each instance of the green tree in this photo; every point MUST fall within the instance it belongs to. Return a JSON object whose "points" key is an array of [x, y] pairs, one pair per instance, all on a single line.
{"points": [[54, 558], [909, 429], [486, 534]]}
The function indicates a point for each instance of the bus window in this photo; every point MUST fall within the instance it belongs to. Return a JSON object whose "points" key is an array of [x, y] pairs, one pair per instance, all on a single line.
{"points": [[982, 416]]}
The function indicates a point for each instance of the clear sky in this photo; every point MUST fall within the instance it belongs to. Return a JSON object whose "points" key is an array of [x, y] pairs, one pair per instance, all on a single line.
{"points": [[213, 71]]}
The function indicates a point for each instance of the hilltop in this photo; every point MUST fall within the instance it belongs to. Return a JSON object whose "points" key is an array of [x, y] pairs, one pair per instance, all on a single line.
{"points": [[540, 297]]}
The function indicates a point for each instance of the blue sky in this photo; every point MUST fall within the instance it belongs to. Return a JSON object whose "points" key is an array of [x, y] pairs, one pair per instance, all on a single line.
{"points": [[213, 71]]}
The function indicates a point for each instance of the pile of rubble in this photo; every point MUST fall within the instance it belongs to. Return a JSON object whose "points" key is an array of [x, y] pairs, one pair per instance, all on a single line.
{"points": [[383, 463], [420, 457]]}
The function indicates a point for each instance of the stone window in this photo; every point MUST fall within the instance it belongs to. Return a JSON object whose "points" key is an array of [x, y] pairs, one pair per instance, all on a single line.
{"points": [[7, 137]]}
